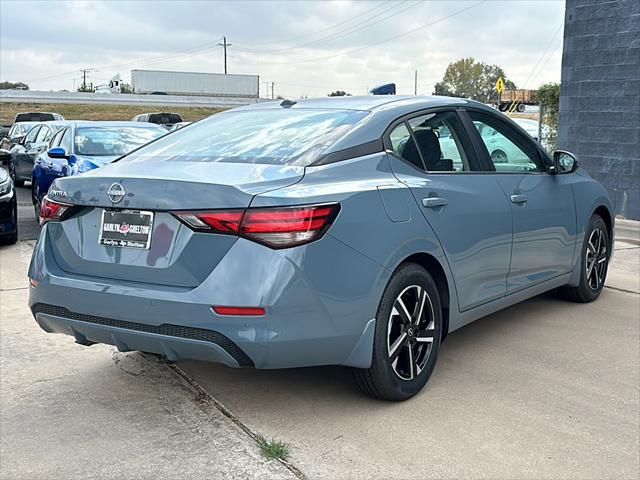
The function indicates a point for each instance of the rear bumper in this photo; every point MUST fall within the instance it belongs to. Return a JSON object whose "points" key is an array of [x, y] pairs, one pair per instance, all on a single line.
{"points": [[319, 301], [172, 341]]}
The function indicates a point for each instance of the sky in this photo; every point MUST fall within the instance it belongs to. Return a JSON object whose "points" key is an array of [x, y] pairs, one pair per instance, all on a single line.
{"points": [[306, 48]]}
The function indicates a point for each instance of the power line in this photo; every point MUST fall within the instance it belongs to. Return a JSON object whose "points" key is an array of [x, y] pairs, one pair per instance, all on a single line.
{"points": [[343, 33], [322, 30], [408, 32]]}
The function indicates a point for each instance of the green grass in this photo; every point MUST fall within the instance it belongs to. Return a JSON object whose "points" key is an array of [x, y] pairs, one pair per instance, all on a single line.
{"points": [[77, 111], [273, 449]]}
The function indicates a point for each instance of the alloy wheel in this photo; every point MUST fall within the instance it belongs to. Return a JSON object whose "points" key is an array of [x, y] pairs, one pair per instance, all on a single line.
{"points": [[410, 332], [596, 259]]}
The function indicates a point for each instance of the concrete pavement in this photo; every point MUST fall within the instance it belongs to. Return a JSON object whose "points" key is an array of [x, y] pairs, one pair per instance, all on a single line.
{"points": [[544, 389], [72, 412]]}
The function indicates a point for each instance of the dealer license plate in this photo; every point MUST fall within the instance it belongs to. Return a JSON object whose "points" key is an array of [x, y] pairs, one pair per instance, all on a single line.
{"points": [[126, 228]]}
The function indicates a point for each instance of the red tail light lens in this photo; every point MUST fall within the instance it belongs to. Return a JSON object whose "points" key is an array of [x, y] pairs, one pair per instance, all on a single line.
{"points": [[288, 227], [214, 222], [52, 211], [274, 227]]}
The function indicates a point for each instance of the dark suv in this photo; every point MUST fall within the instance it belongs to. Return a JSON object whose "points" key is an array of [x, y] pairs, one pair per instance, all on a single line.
{"points": [[37, 117]]}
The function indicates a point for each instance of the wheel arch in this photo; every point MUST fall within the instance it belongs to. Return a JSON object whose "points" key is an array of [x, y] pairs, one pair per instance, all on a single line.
{"points": [[435, 269], [605, 214]]}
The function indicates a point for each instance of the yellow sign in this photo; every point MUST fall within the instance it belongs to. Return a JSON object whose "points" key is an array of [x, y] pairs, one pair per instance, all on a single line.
{"points": [[500, 85]]}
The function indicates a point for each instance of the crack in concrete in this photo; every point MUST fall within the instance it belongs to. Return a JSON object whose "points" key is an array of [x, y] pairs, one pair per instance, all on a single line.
{"points": [[205, 398], [14, 289], [621, 290]]}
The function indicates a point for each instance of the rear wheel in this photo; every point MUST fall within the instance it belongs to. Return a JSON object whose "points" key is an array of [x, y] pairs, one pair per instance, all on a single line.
{"points": [[35, 198], [594, 263], [407, 337]]}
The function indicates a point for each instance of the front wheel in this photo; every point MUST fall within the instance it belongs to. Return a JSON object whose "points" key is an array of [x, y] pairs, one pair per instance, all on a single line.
{"points": [[407, 337], [594, 263], [12, 174]]}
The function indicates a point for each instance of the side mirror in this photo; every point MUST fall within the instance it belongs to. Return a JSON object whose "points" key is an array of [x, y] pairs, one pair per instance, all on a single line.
{"points": [[564, 162], [57, 152], [72, 160]]}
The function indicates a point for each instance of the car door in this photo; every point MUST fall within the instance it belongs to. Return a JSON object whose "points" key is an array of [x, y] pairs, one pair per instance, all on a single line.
{"points": [[431, 153], [542, 203], [25, 166], [20, 153], [52, 168]]}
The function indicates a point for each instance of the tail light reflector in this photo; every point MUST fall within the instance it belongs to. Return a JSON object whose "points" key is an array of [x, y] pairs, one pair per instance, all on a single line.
{"points": [[240, 311], [274, 227], [52, 211]]}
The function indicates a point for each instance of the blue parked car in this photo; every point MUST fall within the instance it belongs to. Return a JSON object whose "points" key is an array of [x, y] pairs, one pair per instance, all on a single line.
{"points": [[318, 232], [83, 146]]}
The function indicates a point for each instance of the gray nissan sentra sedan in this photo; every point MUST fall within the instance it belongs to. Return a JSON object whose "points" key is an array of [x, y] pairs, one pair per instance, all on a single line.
{"points": [[350, 231]]}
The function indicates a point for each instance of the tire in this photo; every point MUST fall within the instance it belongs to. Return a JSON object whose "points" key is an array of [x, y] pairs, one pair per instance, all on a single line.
{"points": [[520, 108], [498, 156], [35, 199], [403, 356], [13, 238], [596, 248]]}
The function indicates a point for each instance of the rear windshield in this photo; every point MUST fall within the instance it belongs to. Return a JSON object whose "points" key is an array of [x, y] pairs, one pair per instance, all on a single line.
{"points": [[165, 118], [34, 117], [278, 137], [103, 141]]}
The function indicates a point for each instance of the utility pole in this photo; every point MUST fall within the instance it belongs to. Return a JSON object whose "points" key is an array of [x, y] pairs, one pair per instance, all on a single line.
{"points": [[224, 45], [272, 96], [415, 83], [84, 79]]}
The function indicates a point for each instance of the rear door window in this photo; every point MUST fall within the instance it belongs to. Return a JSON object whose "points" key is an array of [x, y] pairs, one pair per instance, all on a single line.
{"points": [[43, 134], [404, 146], [442, 142], [31, 136], [65, 141]]}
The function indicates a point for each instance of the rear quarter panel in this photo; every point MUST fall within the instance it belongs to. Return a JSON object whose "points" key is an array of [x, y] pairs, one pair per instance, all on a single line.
{"points": [[385, 231]]}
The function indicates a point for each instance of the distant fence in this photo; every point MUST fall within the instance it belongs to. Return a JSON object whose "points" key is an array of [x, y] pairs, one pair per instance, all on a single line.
{"points": [[29, 96]]}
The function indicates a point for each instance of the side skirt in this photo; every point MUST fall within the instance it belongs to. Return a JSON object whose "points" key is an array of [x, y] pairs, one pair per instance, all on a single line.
{"points": [[458, 320]]}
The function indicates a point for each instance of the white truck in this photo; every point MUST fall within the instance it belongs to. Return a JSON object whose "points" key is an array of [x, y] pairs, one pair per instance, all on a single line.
{"points": [[161, 82]]}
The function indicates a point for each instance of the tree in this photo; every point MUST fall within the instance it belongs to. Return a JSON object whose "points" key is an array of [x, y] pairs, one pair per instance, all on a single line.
{"points": [[11, 86], [470, 79], [125, 88], [549, 100], [339, 93]]}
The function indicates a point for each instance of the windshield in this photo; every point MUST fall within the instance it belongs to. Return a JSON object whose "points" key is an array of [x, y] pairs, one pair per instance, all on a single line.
{"points": [[111, 141], [279, 137]]}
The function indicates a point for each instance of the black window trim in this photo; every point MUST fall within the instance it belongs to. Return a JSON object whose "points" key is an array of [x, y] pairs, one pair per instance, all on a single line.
{"points": [[472, 156], [483, 154]]}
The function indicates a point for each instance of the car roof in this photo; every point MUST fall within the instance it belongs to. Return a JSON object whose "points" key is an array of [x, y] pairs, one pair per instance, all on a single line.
{"points": [[364, 103]]}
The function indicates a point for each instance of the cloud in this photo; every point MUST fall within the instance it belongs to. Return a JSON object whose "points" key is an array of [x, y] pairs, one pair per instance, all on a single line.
{"points": [[301, 46]]}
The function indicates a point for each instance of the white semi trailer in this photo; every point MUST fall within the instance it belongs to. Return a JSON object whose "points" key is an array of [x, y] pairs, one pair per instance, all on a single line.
{"points": [[162, 82]]}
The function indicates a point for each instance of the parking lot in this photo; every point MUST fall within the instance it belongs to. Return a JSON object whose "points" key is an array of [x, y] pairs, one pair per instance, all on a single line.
{"points": [[546, 388]]}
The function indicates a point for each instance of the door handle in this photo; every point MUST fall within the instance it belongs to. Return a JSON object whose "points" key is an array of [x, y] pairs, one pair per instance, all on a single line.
{"points": [[433, 202], [519, 198]]}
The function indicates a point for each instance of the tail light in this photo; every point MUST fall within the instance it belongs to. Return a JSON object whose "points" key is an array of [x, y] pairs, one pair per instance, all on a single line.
{"points": [[52, 211], [274, 227]]}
